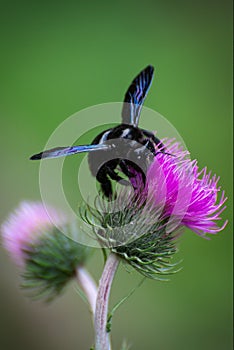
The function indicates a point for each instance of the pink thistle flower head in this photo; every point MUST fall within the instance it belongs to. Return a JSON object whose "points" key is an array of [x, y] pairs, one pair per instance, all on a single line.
{"points": [[183, 193], [25, 226]]}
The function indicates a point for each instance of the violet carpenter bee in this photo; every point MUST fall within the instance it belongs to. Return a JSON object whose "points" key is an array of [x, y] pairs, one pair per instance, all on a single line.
{"points": [[126, 148]]}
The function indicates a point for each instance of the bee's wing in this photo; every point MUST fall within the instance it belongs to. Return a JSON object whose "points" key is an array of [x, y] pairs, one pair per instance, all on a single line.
{"points": [[67, 151], [135, 96]]}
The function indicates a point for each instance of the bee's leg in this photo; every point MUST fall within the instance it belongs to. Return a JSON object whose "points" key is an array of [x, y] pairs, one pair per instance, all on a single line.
{"points": [[155, 140], [105, 183], [125, 169], [114, 176], [133, 171]]}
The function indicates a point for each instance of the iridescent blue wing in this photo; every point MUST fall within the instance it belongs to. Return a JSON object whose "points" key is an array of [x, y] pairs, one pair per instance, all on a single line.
{"points": [[67, 151], [135, 96]]}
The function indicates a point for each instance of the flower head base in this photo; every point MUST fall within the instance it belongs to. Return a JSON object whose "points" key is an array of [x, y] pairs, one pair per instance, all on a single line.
{"points": [[48, 258], [133, 234], [51, 263]]}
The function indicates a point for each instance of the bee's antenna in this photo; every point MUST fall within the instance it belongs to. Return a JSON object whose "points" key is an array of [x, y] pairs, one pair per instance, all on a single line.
{"points": [[169, 154]]}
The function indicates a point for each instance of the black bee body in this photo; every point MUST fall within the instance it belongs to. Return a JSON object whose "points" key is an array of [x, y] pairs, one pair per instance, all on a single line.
{"points": [[125, 148], [137, 153]]}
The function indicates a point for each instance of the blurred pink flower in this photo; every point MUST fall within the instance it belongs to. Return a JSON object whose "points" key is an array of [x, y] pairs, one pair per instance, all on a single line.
{"points": [[24, 226]]}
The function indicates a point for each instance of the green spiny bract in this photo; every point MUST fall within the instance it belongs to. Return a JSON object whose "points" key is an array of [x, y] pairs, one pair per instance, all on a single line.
{"points": [[51, 263], [135, 234]]}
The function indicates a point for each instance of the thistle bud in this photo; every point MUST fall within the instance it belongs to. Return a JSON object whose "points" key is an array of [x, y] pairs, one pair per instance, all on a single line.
{"points": [[47, 257]]}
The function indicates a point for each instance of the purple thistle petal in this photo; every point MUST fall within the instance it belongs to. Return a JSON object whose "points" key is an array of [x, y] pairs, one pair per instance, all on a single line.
{"points": [[185, 194]]}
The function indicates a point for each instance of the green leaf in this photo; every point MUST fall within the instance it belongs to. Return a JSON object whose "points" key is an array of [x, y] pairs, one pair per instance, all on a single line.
{"points": [[117, 305]]}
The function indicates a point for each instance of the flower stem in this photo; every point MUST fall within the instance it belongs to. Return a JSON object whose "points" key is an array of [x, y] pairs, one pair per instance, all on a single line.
{"points": [[89, 287], [102, 338]]}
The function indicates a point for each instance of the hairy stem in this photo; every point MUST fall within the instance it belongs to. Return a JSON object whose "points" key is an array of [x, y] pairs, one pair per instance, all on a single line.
{"points": [[102, 338], [88, 286]]}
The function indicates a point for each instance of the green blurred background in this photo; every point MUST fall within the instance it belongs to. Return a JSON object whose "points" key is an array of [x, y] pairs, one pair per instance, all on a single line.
{"points": [[60, 57]]}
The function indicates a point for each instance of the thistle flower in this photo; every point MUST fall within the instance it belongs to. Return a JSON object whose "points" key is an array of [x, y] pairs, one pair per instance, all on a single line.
{"points": [[187, 195], [144, 230], [48, 258]]}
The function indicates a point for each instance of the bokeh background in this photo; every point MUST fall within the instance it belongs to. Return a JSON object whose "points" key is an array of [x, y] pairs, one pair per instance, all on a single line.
{"points": [[60, 57]]}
